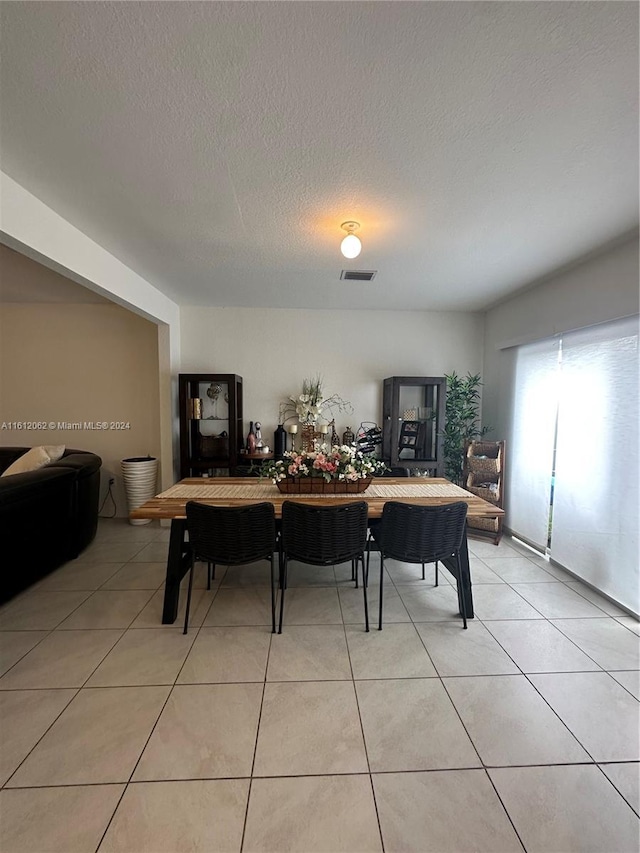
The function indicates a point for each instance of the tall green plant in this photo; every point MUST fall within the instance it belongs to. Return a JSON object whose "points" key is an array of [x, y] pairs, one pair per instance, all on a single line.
{"points": [[462, 421]]}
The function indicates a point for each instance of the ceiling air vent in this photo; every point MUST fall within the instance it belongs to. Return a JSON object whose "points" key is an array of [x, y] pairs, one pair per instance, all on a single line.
{"points": [[358, 275]]}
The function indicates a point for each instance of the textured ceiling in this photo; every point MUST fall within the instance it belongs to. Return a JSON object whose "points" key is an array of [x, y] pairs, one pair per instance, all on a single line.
{"points": [[216, 147]]}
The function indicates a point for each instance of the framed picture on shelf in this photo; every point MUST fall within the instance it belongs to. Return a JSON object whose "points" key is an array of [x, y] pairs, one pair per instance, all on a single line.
{"points": [[408, 434]]}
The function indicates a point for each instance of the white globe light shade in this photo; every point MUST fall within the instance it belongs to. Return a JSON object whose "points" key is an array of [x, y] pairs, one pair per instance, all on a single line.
{"points": [[351, 246]]}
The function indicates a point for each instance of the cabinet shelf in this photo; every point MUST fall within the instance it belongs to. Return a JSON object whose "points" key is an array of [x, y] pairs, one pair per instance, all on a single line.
{"points": [[195, 439], [413, 411]]}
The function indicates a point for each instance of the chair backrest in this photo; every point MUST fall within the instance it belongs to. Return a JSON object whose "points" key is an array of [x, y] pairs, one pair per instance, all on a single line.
{"points": [[231, 535], [322, 535], [421, 534]]}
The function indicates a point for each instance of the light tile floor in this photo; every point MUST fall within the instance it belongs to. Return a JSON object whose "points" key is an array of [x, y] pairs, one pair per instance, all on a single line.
{"points": [[120, 734]]}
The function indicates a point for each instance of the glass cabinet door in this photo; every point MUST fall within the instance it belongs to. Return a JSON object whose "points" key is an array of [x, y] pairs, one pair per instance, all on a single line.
{"points": [[211, 430], [212, 436], [417, 413], [413, 420]]}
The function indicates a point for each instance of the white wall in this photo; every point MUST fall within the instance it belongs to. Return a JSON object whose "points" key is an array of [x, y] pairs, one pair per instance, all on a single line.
{"points": [[274, 350], [29, 226], [604, 288]]}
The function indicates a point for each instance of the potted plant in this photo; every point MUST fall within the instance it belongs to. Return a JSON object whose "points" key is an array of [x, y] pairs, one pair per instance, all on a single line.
{"points": [[462, 421]]}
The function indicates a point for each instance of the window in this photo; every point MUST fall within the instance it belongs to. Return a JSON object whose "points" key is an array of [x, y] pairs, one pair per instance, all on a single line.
{"points": [[578, 396]]}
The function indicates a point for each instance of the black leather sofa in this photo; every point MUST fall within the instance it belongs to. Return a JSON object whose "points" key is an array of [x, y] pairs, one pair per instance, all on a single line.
{"points": [[47, 516]]}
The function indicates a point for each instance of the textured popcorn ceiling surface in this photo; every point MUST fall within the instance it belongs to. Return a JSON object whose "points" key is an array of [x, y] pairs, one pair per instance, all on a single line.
{"points": [[216, 147]]}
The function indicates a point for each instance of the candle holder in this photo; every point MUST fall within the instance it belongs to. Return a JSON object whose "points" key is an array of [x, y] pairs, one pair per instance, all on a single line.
{"points": [[292, 429]]}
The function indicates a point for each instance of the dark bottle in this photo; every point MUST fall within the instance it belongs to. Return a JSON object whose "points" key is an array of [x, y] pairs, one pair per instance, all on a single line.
{"points": [[279, 442], [251, 439]]}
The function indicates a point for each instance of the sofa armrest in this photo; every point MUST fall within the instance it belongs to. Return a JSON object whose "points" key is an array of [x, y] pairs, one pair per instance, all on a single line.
{"points": [[20, 486], [84, 464]]}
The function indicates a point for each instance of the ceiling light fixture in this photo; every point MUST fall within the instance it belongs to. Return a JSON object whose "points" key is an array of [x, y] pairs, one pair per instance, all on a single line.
{"points": [[351, 245]]}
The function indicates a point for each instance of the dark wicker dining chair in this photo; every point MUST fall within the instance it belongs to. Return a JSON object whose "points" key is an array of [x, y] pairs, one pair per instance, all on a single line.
{"points": [[419, 534], [323, 536], [231, 536]]}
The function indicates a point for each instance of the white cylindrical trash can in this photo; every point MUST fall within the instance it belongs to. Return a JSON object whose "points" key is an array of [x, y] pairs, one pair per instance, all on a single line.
{"points": [[140, 475]]}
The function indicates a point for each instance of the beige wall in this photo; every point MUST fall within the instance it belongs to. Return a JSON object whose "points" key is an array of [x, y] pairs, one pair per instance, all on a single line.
{"points": [[76, 363], [34, 229]]}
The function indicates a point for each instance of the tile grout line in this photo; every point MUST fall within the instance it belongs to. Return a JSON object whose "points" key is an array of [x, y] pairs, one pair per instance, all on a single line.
{"points": [[462, 723], [146, 743], [615, 787], [506, 811], [200, 627], [546, 672], [255, 746], [355, 692]]}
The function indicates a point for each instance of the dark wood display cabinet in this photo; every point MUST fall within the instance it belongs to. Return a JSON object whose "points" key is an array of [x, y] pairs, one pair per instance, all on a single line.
{"points": [[211, 429], [413, 413]]}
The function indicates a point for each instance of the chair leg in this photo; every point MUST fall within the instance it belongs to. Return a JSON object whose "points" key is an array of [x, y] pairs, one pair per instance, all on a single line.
{"points": [[354, 571], [208, 575], [423, 571], [463, 605], [366, 603], [273, 598], [437, 573], [284, 586], [381, 585], [186, 611]]}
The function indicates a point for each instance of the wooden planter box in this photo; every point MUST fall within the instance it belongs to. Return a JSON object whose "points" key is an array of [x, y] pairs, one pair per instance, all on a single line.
{"points": [[318, 485]]}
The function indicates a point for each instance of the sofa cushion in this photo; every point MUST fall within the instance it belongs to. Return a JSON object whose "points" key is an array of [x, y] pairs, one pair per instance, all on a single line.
{"points": [[35, 458], [55, 451]]}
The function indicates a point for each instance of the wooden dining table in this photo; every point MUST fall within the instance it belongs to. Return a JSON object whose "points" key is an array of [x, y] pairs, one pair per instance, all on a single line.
{"points": [[240, 491]]}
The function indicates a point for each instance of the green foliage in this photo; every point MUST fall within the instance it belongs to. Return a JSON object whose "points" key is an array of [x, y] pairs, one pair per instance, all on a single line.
{"points": [[462, 421]]}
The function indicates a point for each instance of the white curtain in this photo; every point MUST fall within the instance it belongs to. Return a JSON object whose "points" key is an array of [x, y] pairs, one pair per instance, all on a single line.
{"points": [[595, 512], [530, 441]]}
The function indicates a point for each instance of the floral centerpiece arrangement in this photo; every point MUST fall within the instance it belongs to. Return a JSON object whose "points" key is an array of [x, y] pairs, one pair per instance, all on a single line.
{"points": [[340, 468], [309, 405], [307, 408]]}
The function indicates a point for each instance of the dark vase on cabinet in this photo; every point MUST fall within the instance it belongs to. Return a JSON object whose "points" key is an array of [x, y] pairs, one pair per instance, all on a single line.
{"points": [[279, 442], [413, 415], [211, 430]]}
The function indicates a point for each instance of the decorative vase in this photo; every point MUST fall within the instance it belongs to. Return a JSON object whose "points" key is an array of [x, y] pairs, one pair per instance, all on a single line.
{"points": [[318, 485], [348, 437], [140, 475], [279, 442], [251, 439]]}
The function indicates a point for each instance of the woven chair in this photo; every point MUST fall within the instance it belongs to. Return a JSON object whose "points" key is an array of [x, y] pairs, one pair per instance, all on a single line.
{"points": [[231, 536], [375, 522], [419, 534], [323, 536]]}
